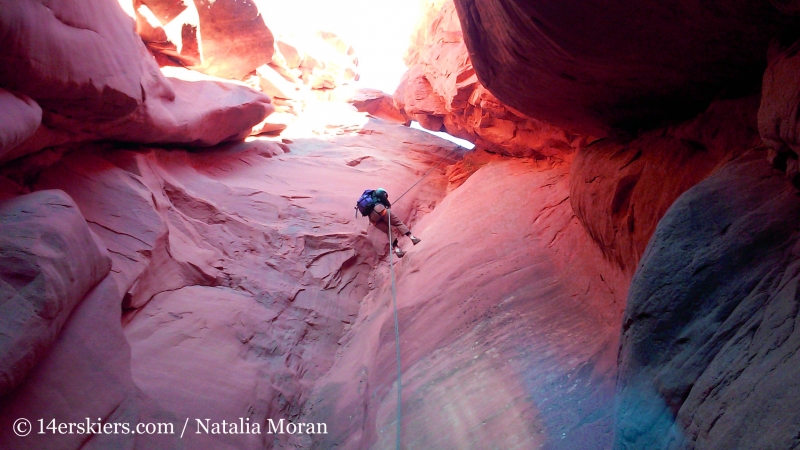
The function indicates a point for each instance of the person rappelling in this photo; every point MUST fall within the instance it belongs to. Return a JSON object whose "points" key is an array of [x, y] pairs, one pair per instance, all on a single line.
{"points": [[375, 205]]}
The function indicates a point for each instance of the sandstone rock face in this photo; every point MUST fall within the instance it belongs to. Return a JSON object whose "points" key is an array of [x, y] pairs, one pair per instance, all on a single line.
{"points": [[40, 43], [777, 117], [485, 328], [248, 292], [224, 38], [591, 67], [232, 42], [442, 92], [378, 104], [170, 29], [114, 90], [620, 191], [235, 39], [20, 116], [709, 346], [241, 266], [50, 260], [204, 112], [87, 374]]}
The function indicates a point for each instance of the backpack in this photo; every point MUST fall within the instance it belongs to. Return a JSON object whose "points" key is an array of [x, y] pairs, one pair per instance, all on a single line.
{"points": [[366, 202]]}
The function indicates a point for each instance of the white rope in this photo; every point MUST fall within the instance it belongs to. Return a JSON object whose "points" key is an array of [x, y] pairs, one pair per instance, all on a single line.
{"points": [[396, 332], [426, 174], [394, 302]]}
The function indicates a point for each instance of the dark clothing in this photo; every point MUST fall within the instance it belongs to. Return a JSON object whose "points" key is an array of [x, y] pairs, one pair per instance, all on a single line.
{"points": [[380, 216]]}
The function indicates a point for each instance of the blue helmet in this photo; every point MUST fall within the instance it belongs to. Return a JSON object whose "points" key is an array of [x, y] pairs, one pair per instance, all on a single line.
{"points": [[381, 194]]}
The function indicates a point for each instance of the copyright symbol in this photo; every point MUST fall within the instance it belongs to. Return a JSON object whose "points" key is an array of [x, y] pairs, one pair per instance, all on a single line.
{"points": [[22, 427]]}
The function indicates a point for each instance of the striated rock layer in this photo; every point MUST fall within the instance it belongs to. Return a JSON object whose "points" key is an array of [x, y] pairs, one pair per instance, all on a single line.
{"points": [[709, 345], [620, 190], [49, 261], [112, 90], [241, 267], [442, 92], [592, 67], [508, 322]]}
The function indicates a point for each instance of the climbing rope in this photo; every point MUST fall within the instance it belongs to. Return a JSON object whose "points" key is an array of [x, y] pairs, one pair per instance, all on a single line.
{"points": [[426, 174], [394, 302], [396, 333]]}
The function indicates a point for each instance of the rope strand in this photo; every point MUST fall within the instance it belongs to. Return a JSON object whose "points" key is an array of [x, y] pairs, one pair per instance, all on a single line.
{"points": [[426, 174], [394, 302], [396, 334]]}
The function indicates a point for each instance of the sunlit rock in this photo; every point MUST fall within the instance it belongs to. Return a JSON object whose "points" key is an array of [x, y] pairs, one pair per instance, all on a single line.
{"points": [[442, 92]]}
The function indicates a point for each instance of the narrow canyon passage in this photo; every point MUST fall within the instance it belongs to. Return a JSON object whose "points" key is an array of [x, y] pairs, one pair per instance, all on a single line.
{"points": [[613, 266], [508, 337], [246, 263], [260, 296]]}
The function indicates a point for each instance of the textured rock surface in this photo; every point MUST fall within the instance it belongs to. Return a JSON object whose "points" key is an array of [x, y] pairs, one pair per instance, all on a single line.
{"points": [[203, 112], [223, 38], [620, 191], [169, 28], [244, 263], [777, 117], [20, 116], [709, 347], [485, 330], [378, 104], [442, 92], [114, 90], [87, 376], [630, 64], [235, 39], [248, 291], [49, 261], [41, 44]]}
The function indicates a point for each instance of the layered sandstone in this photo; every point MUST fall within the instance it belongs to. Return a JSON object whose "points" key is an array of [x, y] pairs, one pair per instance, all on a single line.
{"points": [[442, 92], [636, 291], [231, 40], [508, 321], [621, 190], [241, 268], [708, 355], [50, 260], [593, 67], [114, 90]]}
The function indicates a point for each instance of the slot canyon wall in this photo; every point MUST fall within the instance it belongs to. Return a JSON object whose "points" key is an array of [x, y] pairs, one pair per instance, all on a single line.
{"points": [[613, 266], [708, 346]]}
